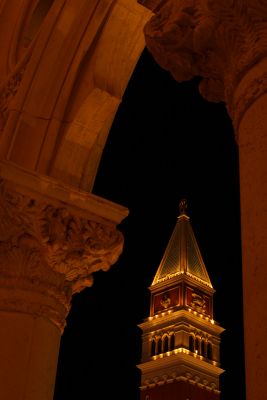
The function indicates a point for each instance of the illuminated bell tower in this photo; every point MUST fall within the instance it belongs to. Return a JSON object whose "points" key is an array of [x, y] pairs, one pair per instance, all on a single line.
{"points": [[180, 339]]}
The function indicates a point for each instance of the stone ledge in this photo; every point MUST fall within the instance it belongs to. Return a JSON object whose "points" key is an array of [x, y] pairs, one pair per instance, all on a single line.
{"points": [[84, 203]]}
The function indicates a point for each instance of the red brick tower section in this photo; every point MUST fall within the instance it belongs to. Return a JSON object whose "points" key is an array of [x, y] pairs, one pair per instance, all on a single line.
{"points": [[180, 339]]}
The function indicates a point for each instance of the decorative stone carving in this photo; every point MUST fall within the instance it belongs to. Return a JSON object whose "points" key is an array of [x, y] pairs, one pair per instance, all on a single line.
{"points": [[77, 247], [198, 302], [49, 251], [217, 40], [165, 301]]}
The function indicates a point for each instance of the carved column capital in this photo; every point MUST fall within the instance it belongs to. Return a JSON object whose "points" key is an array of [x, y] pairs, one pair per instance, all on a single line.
{"points": [[52, 239], [218, 40]]}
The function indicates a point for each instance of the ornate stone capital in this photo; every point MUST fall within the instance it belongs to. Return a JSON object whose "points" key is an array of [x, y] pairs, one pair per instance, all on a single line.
{"points": [[52, 239], [218, 40]]}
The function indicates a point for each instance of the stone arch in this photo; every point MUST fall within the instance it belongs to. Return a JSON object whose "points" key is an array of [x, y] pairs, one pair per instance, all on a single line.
{"points": [[105, 69], [19, 129], [57, 128]]}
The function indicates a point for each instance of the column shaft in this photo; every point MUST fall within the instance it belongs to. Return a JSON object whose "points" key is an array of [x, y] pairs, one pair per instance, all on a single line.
{"points": [[28, 357], [253, 192]]}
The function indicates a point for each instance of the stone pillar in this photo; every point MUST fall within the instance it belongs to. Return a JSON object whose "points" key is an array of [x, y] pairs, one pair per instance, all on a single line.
{"points": [[52, 239], [225, 42], [252, 139]]}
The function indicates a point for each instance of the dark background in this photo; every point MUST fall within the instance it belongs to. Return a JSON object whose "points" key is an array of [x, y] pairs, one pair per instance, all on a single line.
{"points": [[166, 143]]}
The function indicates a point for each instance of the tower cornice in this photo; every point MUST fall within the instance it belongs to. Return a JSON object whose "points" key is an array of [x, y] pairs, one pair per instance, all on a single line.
{"points": [[180, 367], [182, 277], [162, 320], [180, 357]]}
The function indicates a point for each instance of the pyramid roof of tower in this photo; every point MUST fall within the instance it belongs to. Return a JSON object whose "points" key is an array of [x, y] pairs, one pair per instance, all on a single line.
{"points": [[182, 254]]}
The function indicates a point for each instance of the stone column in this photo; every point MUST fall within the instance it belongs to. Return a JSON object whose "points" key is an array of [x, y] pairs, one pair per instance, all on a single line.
{"points": [[52, 239], [225, 42]]}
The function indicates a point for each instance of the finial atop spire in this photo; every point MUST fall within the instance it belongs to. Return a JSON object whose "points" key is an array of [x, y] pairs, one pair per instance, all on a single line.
{"points": [[183, 207]]}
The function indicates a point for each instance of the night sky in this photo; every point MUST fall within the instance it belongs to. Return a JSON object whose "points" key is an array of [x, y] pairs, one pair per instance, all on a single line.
{"points": [[166, 143]]}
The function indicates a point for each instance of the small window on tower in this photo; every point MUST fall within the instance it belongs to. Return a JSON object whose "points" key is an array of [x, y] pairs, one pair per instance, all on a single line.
{"points": [[165, 344], [209, 350], [159, 349], [191, 343], [197, 346], [153, 348], [172, 341], [203, 353]]}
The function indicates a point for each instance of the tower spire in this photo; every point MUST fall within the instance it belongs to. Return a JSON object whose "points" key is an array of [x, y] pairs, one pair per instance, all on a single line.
{"points": [[182, 255]]}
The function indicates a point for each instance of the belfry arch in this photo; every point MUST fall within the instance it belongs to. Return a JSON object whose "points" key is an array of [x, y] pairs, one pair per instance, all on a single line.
{"points": [[54, 233]]}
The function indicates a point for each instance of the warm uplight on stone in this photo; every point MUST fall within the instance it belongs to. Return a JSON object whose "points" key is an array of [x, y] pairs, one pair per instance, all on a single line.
{"points": [[64, 67]]}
